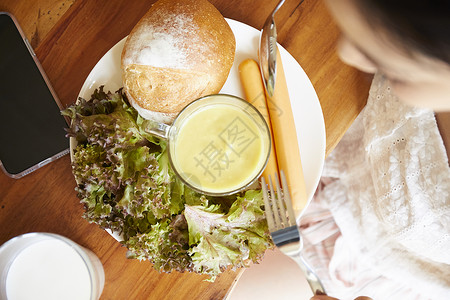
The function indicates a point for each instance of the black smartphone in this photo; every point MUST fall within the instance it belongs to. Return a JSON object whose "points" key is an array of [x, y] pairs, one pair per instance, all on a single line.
{"points": [[32, 129]]}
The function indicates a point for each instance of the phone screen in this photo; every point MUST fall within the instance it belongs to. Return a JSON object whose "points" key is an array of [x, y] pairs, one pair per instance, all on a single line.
{"points": [[31, 126]]}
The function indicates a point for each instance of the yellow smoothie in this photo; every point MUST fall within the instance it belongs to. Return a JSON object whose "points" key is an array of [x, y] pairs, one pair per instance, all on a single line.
{"points": [[219, 148]]}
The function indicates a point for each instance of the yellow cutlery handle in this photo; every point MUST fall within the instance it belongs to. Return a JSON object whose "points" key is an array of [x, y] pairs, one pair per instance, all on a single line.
{"points": [[285, 138]]}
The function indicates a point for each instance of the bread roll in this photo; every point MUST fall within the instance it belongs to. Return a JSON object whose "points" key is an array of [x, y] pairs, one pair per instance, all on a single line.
{"points": [[179, 51]]}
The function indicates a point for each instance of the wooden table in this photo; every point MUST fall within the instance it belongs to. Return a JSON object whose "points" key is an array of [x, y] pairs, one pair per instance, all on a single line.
{"points": [[69, 37]]}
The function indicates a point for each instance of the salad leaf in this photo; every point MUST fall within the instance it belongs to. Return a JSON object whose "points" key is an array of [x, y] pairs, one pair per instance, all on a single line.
{"points": [[126, 184], [164, 245], [227, 239]]}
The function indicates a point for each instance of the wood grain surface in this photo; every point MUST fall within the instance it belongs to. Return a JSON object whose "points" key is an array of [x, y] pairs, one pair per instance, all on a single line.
{"points": [[69, 37]]}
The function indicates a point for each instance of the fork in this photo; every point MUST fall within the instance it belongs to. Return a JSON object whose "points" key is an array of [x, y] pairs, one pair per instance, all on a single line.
{"points": [[283, 227]]}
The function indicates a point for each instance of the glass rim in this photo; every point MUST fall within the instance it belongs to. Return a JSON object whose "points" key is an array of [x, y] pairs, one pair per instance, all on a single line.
{"points": [[43, 236], [264, 129]]}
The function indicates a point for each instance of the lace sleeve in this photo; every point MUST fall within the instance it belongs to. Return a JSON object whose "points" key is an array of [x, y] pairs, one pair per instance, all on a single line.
{"points": [[393, 167]]}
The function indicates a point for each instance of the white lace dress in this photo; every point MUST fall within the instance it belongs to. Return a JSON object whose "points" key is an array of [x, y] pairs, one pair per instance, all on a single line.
{"points": [[381, 227]]}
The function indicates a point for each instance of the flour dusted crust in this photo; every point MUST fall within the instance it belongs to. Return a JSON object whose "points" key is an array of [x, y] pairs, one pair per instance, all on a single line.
{"points": [[179, 51]]}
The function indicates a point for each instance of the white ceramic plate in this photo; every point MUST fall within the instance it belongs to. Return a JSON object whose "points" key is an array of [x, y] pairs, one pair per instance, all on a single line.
{"points": [[305, 104]]}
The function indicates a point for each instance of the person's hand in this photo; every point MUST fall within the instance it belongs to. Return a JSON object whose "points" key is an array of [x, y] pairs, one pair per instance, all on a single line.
{"points": [[323, 297]]}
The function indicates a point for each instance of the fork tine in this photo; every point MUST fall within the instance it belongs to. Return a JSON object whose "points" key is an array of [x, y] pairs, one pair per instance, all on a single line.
{"points": [[281, 198], [275, 210], [268, 209], [287, 199]]}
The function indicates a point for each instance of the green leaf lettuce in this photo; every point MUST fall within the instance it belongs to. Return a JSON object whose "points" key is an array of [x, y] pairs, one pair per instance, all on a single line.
{"points": [[126, 184], [234, 238]]}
